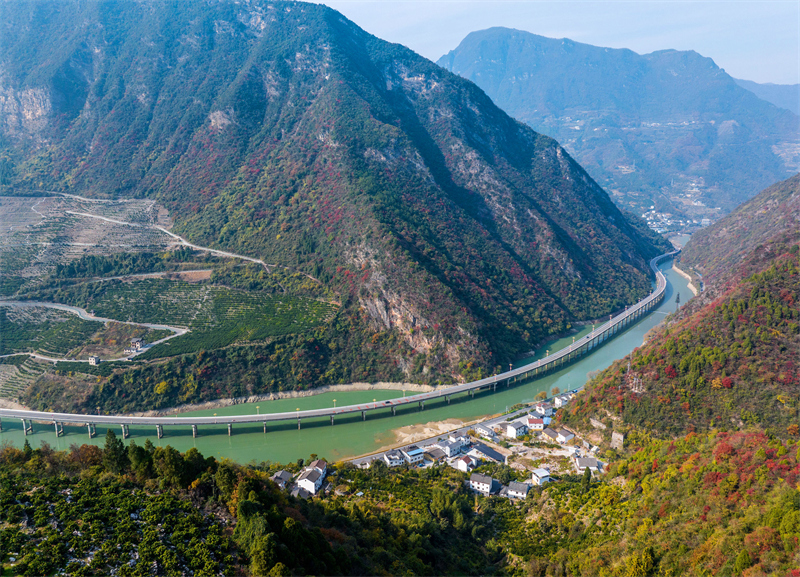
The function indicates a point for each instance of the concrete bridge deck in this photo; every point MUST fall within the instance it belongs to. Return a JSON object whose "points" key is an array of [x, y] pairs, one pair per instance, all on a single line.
{"points": [[554, 361]]}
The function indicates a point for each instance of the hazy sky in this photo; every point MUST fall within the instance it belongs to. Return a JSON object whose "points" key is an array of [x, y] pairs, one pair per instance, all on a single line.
{"points": [[754, 40]]}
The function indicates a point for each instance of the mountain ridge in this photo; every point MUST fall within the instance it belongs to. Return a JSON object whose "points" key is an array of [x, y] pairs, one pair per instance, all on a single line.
{"points": [[638, 123], [282, 131]]}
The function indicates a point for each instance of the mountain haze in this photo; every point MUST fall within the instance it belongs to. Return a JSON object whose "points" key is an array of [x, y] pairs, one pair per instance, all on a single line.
{"points": [[668, 128], [783, 95], [281, 130]]}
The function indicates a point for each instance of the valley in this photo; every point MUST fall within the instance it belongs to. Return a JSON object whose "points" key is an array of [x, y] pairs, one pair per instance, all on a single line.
{"points": [[280, 297]]}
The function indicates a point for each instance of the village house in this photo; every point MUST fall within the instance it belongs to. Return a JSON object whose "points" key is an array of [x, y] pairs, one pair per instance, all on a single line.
{"points": [[137, 343], [94, 360], [413, 455], [545, 409], [310, 480], [564, 436], [540, 476], [300, 492], [453, 445], [481, 483], [394, 458], [515, 429], [485, 431], [466, 463], [549, 435], [583, 463], [484, 453], [535, 424], [282, 478], [518, 490], [435, 454], [320, 465], [560, 401]]}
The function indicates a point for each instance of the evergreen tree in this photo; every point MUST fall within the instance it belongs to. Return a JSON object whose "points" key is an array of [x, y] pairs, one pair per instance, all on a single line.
{"points": [[115, 456]]}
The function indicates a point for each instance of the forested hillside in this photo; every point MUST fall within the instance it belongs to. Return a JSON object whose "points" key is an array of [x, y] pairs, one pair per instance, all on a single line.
{"points": [[669, 128], [725, 363], [712, 504], [282, 131], [718, 250]]}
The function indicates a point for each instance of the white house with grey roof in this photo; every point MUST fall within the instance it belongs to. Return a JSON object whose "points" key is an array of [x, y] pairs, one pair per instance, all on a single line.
{"points": [[310, 480], [481, 483], [540, 476], [394, 458], [282, 478], [413, 455], [516, 429], [518, 490]]}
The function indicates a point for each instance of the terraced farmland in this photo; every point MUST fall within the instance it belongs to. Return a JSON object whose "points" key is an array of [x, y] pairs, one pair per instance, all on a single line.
{"points": [[15, 378], [217, 316], [41, 232], [44, 331]]}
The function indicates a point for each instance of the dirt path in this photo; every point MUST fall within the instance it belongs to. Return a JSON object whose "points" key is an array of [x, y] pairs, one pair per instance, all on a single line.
{"points": [[86, 315], [182, 241]]}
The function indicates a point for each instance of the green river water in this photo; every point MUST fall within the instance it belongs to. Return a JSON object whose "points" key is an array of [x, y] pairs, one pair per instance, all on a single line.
{"points": [[351, 436]]}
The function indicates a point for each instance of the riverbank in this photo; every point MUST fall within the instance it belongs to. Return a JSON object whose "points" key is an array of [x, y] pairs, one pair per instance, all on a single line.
{"points": [[352, 387], [688, 277]]}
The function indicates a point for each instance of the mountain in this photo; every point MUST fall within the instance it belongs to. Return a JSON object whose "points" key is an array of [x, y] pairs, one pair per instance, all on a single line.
{"points": [[669, 129], [728, 359], [717, 251], [282, 131], [782, 95]]}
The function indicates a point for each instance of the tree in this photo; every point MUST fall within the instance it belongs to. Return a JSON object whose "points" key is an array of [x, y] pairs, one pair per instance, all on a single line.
{"points": [[115, 457], [742, 562], [555, 391], [586, 481], [541, 396]]}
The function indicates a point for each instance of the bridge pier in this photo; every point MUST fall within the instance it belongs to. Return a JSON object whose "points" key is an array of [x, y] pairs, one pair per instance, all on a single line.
{"points": [[125, 433], [230, 429], [27, 426], [422, 405], [394, 411], [446, 397], [160, 431], [298, 424], [265, 427], [92, 429], [494, 387], [59, 428], [363, 415], [194, 431], [1, 425], [331, 420]]}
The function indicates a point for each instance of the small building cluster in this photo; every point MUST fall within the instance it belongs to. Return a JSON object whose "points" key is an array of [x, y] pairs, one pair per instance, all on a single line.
{"points": [[136, 345], [308, 482]]}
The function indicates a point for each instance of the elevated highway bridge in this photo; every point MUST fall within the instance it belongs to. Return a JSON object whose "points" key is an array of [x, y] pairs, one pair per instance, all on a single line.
{"points": [[541, 367]]}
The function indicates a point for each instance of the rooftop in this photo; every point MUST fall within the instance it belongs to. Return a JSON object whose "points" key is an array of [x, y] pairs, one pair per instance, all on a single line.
{"points": [[478, 478]]}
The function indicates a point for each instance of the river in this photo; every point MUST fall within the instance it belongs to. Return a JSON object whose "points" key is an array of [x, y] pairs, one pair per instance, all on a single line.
{"points": [[351, 436]]}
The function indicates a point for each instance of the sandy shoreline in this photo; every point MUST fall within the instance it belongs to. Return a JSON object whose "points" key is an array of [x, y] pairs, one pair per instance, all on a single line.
{"points": [[411, 387], [687, 277]]}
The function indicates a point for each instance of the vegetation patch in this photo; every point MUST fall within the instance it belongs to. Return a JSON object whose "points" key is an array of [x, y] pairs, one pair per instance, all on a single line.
{"points": [[43, 330]]}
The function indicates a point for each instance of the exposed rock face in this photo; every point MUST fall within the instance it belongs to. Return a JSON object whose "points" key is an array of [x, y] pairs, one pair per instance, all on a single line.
{"points": [[24, 114], [283, 131]]}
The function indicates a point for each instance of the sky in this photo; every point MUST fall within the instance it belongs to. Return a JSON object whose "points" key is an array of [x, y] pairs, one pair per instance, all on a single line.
{"points": [[752, 40]]}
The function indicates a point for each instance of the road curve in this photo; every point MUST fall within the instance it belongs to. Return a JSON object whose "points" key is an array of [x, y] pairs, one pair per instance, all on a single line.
{"points": [[87, 316], [553, 360]]}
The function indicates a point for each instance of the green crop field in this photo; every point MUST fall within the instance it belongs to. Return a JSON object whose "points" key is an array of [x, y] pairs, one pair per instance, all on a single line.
{"points": [[217, 316], [240, 317], [43, 332]]}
